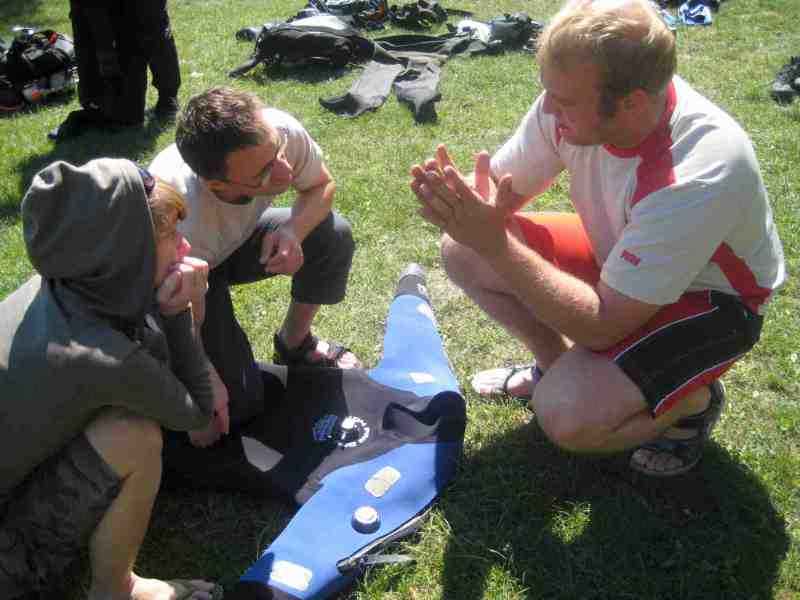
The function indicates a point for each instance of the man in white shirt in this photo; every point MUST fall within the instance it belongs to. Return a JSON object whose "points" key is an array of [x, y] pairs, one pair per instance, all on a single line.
{"points": [[231, 158], [638, 302]]}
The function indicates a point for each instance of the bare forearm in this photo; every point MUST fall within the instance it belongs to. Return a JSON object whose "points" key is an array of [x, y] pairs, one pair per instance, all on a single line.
{"points": [[311, 207], [557, 298]]}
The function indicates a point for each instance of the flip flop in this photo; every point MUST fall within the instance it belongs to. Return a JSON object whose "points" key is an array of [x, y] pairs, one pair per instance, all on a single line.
{"points": [[494, 382], [690, 450]]}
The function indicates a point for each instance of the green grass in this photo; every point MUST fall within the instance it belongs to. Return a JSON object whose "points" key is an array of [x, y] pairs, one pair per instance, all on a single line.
{"points": [[522, 520]]}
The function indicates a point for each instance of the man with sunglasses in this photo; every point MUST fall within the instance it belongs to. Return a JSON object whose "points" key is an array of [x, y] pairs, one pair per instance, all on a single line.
{"points": [[231, 158]]}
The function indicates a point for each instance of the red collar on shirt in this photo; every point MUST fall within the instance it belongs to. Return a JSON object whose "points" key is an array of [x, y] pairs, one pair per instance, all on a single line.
{"points": [[657, 136]]}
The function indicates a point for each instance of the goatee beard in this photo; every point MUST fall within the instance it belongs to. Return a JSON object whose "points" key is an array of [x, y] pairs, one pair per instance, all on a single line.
{"points": [[241, 200]]}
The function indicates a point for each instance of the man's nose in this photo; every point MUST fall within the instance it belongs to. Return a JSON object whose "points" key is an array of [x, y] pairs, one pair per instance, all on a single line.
{"points": [[547, 105], [281, 170], [184, 247]]}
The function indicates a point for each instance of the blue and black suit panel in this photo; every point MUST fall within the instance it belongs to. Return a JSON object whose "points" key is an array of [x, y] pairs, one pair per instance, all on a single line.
{"points": [[384, 441]]}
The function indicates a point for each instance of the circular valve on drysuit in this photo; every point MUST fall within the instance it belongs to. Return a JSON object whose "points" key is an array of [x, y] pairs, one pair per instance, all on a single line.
{"points": [[366, 519], [351, 431]]}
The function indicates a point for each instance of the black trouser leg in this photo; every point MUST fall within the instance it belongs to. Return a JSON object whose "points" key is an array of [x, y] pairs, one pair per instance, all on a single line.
{"points": [[85, 55], [159, 45], [229, 350]]}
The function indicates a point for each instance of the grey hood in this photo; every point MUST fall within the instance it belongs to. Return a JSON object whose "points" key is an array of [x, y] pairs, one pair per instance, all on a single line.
{"points": [[89, 228], [74, 338]]}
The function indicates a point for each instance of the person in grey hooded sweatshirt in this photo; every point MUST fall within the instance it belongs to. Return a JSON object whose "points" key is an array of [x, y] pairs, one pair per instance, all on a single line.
{"points": [[97, 352]]}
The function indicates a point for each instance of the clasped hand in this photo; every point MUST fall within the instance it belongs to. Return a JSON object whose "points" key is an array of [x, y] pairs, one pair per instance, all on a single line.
{"points": [[473, 211], [220, 422]]}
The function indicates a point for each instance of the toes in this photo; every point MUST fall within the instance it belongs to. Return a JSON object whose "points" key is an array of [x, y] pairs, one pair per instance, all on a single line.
{"points": [[657, 462], [350, 360]]}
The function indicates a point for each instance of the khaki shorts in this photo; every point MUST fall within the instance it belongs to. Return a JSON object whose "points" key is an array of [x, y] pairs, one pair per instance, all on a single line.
{"points": [[47, 520]]}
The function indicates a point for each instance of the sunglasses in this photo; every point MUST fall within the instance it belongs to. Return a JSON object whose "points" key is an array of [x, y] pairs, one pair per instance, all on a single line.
{"points": [[148, 180], [266, 173]]}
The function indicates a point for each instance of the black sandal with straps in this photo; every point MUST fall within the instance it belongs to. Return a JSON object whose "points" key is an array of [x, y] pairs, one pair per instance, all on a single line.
{"points": [[298, 357], [690, 450]]}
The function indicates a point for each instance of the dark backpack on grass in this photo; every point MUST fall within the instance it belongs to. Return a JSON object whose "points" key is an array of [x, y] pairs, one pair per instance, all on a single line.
{"points": [[31, 64], [513, 32], [37, 55], [295, 46], [418, 15]]}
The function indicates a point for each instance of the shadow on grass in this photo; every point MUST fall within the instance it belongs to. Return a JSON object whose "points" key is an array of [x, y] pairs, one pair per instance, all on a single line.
{"points": [[122, 143], [15, 10], [521, 511], [562, 526], [311, 74]]}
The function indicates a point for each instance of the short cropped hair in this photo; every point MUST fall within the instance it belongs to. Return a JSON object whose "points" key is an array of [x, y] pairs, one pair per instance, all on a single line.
{"points": [[167, 207], [627, 40], [216, 123]]}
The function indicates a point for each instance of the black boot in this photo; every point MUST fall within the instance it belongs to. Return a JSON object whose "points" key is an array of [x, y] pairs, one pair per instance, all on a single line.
{"points": [[787, 82], [165, 109], [77, 123]]}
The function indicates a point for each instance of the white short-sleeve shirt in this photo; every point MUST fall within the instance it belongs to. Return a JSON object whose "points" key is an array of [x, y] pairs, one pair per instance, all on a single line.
{"points": [[686, 210], [215, 229]]}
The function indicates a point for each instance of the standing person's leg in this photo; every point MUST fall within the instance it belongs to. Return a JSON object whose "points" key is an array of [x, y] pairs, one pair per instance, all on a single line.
{"points": [[90, 85], [85, 55], [132, 56], [163, 55]]}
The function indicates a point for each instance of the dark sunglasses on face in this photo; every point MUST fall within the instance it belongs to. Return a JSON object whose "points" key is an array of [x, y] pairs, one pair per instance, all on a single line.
{"points": [[148, 181]]}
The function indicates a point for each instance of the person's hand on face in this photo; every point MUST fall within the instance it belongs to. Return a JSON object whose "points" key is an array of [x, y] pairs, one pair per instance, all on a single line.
{"points": [[186, 282], [281, 251]]}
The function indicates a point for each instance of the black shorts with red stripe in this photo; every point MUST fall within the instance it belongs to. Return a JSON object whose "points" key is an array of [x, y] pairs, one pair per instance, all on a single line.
{"points": [[686, 345]]}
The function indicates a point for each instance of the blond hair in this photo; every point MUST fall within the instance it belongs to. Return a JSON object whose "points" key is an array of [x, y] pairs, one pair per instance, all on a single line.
{"points": [[627, 40], [167, 207]]}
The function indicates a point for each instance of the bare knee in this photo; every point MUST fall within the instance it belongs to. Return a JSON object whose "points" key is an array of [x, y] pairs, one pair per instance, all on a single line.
{"points": [[126, 440], [458, 261], [560, 418], [560, 429]]}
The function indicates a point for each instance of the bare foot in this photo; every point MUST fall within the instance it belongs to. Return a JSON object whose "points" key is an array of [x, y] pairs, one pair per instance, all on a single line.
{"points": [[175, 589], [662, 462]]}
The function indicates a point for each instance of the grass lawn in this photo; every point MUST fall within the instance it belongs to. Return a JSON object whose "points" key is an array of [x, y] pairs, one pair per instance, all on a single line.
{"points": [[522, 520]]}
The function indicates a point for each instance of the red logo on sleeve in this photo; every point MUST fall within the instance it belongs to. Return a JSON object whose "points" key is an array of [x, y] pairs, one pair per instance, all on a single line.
{"points": [[631, 258]]}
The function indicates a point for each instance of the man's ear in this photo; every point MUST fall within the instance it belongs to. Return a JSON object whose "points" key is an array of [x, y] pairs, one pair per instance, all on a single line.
{"points": [[215, 185], [635, 101]]}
